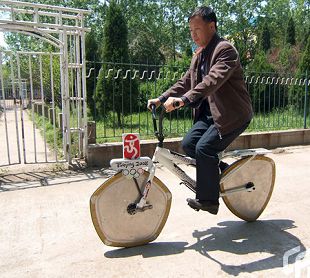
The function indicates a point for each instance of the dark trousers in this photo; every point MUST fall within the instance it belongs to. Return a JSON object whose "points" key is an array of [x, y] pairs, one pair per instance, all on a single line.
{"points": [[203, 142]]}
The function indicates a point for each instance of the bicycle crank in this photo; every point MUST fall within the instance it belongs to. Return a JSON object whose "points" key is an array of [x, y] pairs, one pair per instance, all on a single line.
{"points": [[133, 209]]}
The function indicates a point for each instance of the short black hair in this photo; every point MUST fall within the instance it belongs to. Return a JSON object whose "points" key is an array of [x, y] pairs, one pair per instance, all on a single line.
{"points": [[206, 13]]}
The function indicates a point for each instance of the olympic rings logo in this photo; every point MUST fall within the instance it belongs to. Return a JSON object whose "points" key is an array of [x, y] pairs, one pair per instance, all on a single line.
{"points": [[132, 173]]}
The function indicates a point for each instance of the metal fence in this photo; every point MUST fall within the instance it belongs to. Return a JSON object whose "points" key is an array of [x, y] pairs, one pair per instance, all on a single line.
{"points": [[279, 102], [48, 72], [13, 95]]}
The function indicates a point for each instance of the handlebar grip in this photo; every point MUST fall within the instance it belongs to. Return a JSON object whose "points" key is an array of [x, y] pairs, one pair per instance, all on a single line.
{"points": [[153, 107], [176, 104]]}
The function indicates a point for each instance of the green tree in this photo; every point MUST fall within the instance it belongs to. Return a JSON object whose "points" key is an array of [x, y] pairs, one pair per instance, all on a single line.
{"points": [[143, 50], [115, 92], [285, 59], [290, 39], [240, 26], [260, 63], [276, 13], [297, 91], [257, 68], [92, 67], [265, 40], [304, 65], [301, 11], [305, 37], [167, 76]]}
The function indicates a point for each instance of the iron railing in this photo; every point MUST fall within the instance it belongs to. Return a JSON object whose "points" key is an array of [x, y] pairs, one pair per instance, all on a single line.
{"points": [[279, 102]]}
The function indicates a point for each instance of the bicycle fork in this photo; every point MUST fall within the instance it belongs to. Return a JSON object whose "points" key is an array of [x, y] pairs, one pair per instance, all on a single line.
{"points": [[142, 204]]}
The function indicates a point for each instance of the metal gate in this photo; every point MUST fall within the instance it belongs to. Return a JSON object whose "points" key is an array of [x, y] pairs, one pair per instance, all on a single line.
{"points": [[43, 94]]}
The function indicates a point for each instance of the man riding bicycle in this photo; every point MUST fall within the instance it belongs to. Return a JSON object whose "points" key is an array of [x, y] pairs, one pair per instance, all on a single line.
{"points": [[214, 86]]}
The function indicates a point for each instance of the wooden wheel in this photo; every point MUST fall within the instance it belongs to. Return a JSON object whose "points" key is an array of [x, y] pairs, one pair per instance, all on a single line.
{"points": [[259, 170], [110, 207]]}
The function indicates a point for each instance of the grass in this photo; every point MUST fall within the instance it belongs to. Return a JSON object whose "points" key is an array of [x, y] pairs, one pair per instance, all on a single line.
{"points": [[278, 120], [53, 137], [142, 123]]}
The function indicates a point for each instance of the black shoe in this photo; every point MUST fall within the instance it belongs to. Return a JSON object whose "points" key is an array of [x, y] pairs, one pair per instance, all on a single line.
{"points": [[210, 206]]}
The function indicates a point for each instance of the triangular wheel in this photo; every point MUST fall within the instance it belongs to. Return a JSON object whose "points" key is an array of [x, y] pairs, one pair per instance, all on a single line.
{"points": [[259, 170]]}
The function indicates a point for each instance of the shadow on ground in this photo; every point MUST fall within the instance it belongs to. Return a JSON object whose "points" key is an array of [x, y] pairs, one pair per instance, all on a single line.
{"points": [[268, 240], [24, 180]]}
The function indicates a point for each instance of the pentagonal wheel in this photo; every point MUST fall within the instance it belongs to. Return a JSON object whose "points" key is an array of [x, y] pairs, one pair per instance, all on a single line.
{"points": [[112, 204], [260, 171]]}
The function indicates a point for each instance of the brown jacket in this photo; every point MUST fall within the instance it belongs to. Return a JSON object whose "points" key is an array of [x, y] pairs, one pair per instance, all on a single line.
{"points": [[223, 85]]}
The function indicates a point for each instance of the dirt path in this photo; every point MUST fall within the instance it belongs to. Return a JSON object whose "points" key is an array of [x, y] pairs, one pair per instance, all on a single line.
{"points": [[13, 149]]}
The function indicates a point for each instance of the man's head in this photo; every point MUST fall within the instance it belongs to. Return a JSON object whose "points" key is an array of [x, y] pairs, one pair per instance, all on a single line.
{"points": [[202, 24]]}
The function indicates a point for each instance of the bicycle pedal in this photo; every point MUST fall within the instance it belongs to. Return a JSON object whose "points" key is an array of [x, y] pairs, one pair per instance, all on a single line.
{"points": [[147, 206]]}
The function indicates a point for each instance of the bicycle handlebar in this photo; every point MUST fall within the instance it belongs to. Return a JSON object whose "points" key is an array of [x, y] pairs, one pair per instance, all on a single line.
{"points": [[153, 107], [159, 132]]}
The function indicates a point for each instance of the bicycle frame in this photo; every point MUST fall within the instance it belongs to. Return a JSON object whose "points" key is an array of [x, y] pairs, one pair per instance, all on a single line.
{"points": [[169, 159]]}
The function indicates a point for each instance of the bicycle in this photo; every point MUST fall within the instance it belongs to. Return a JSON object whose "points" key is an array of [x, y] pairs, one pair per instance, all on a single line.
{"points": [[132, 207]]}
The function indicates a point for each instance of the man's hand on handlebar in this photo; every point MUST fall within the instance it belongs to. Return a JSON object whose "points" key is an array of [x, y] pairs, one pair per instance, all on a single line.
{"points": [[170, 104], [154, 101], [173, 103]]}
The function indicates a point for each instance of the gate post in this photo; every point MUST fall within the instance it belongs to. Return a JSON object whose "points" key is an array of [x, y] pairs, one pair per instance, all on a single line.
{"points": [[65, 99], [306, 101], [84, 91]]}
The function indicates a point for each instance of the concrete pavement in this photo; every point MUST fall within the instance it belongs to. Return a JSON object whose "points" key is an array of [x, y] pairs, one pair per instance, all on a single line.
{"points": [[46, 230]]}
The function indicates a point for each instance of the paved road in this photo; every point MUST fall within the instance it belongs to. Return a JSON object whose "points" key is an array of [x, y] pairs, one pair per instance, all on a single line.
{"points": [[46, 230]]}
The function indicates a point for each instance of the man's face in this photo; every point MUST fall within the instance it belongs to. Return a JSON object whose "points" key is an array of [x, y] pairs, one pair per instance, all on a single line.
{"points": [[201, 31]]}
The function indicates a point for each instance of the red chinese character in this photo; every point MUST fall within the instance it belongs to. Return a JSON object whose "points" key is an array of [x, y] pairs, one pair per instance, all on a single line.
{"points": [[131, 146]]}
